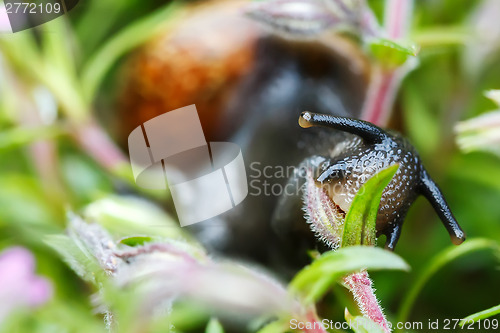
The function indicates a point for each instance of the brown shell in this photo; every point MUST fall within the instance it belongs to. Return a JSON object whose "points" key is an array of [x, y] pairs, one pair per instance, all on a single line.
{"points": [[199, 60]]}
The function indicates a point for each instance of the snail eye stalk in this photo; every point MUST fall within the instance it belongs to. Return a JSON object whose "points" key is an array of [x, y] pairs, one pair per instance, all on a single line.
{"points": [[367, 131]]}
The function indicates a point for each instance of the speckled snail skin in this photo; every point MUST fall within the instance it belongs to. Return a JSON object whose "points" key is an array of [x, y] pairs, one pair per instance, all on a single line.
{"points": [[358, 158]]}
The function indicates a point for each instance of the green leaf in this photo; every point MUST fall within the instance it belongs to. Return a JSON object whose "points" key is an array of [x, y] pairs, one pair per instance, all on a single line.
{"points": [[440, 260], [277, 326], [80, 260], [124, 216], [390, 53], [54, 72], [134, 35], [214, 326], [359, 228], [481, 315], [136, 240], [314, 280], [56, 41], [107, 13], [20, 136], [360, 324]]}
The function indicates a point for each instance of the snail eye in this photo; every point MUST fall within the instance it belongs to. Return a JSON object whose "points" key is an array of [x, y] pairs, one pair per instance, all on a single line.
{"points": [[324, 166]]}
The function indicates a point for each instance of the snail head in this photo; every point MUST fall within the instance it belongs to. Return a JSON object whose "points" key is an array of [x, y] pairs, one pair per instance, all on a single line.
{"points": [[340, 175]]}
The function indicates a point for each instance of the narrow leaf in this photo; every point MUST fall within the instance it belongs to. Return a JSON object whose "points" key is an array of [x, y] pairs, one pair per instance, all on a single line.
{"points": [[19, 136], [134, 35], [136, 240], [391, 53], [359, 228], [84, 264], [481, 315], [441, 259], [313, 281], [277, 326]]}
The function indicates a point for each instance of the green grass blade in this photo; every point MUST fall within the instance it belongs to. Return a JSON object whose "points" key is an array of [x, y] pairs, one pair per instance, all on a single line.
{"points": [[137, 33], [359, 228], [19, 136], [481, 315], [441, 259]]}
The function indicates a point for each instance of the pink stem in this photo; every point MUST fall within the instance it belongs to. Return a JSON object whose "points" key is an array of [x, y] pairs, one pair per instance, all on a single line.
{"points": [[381, 95], [360, 285], [94, 140], [398, 17], [385, 82]]}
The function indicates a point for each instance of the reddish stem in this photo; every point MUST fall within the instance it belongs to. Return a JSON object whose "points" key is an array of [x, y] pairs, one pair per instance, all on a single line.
{"points": [[360, 285], [397, 17], [95, 141], [380, 96], [385, 82]]}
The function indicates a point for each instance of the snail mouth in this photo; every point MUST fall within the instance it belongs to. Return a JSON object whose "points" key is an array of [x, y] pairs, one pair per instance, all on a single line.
{"points": [[338, 195], [325, 213]]}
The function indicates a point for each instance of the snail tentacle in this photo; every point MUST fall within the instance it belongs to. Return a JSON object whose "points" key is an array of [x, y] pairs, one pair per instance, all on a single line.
{"points": [[393, 237], [369, 132], [430, 190]]}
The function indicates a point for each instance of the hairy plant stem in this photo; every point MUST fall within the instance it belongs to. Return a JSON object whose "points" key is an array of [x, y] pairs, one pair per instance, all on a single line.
{"points": [[360, 285]]}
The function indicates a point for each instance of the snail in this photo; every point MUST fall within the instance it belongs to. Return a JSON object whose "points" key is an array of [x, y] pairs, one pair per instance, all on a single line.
{"points": [[360, 157], [249, 87]]}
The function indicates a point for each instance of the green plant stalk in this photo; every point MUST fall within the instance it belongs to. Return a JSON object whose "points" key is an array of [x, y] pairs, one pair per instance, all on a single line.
{"points": [[481, 315], [441, 259], [439, 36], [134, 35]]}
